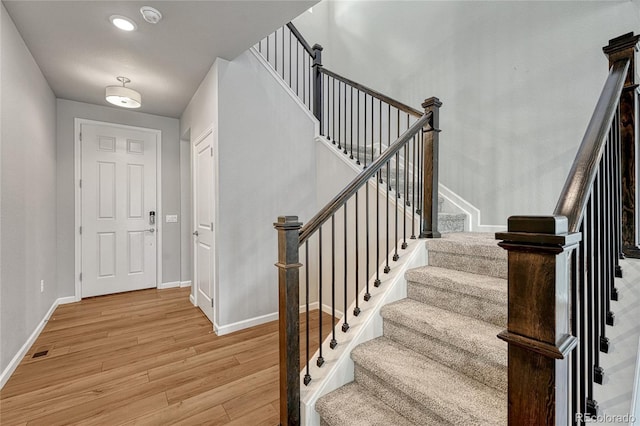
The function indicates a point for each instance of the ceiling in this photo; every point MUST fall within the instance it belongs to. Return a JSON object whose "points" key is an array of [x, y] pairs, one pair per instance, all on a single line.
{"points": [[80, 52]]}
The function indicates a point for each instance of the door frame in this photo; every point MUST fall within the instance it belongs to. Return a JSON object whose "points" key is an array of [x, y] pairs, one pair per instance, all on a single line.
{"points": [[214, 211], [77, 173]]}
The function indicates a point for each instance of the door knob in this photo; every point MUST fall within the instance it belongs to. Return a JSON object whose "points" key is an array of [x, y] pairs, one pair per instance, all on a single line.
{"points": [[152, 230], [195, 233]]}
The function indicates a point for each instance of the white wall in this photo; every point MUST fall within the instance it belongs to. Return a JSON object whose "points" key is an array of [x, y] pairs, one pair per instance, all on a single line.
{"points": [[518, 80], [28, 193], [66, 112], [265, 168]]}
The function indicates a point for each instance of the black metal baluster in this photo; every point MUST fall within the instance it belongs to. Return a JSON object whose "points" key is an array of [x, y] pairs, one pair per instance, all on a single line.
{"points": [[396, 256], [260, 46], [334, 342], [592, 321], [380, 134], [290, 56], [356, 310], [367, 295], [372, 132], [283, 55], [582, 347], [339, 116], [414, 182], [608, 260], [600, 253], [420, 179], [268, 42], [358, 129], [345, 324], [320, 360], [344, 133], [376, 283], [307, 376], [406, 196], [297, 68], [618, 173], [573, 292], [350, 121]]}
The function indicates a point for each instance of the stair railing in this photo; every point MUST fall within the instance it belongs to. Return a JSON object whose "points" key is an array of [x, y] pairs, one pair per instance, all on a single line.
{"points": [[562, 267], [344, 243], [360, 121]]}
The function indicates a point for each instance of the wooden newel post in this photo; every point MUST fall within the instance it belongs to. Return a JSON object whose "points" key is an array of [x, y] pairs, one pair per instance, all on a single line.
{"points": [[288, 265], [538, 331], [317, 85], [622, 48], [430, 162]]}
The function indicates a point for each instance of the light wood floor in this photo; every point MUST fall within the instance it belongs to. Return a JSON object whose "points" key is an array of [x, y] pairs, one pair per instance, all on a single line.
{"points": [[146, 357]]}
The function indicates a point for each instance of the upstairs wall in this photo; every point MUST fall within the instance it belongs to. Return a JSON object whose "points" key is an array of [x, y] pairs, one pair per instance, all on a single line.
{"points": [[265, 168], [518, 80]]}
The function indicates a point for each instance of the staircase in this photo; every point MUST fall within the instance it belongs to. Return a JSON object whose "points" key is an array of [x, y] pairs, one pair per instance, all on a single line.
{"points": [[439, 360]]}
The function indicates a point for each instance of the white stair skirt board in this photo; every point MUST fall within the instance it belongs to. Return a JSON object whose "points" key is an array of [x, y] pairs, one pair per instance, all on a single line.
{"points": [[472, 212], [15, 361], [634, 411], [338, 368]]}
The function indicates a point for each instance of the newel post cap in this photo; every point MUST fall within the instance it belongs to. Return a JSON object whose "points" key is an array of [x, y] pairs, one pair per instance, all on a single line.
{"points": [[431, 102], [287, 223]]}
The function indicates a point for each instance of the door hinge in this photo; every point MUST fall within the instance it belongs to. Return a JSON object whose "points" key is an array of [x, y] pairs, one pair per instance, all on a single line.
{"points": [[211, 150], [81, 230], [212, 303], [80, 136], [212, 226], [80, 276], [80, 183]]}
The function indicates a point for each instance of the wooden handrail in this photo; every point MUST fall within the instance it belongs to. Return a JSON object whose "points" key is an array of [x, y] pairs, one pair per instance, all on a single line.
{"points": [[301, 39], [384, 98], [338, 201], [575, 194]]}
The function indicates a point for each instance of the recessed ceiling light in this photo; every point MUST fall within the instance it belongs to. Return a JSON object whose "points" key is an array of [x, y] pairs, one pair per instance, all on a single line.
{"points": [[122, 22], [151, 15], [123, 96]]}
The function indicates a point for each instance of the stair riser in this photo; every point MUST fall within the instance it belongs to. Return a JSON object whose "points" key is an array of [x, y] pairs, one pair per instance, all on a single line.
{"points": [[482, 309], [468, 263], [446, 224], [395, 399], [472, 364]]}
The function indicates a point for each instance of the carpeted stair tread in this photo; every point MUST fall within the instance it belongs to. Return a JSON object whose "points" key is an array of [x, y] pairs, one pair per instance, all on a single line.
{"points": [[480, 286], [473, 252], [421, 385], [457, 341], [353, 405]]}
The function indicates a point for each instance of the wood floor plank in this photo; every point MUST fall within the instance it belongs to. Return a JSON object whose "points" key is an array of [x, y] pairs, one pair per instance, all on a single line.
{"points": [[148, 357]]}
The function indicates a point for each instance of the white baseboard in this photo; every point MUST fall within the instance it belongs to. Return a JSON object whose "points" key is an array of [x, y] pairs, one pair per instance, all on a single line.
{"points": [[192, 300], [241, 325], [15, 361], [472, 212], [185, 283], [171, 284], [634, 411]]}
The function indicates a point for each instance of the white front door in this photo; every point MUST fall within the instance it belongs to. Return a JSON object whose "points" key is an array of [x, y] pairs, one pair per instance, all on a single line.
{"points": [[203, 200], [118, 192]]}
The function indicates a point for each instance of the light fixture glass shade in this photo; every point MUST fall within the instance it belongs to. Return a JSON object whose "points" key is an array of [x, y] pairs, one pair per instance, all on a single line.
{"points": [[123, 97]]}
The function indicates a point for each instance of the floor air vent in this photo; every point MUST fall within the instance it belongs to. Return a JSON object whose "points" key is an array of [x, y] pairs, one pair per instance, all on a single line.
{"points": [[39, 354]]}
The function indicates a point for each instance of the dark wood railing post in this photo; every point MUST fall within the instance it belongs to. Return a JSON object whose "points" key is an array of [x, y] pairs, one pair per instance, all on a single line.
{"points": [[538, 331], [317, 85], [288, 265], [620, 48], [430, 185]]}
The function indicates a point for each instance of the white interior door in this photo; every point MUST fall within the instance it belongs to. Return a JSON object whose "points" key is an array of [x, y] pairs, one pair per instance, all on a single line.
{"points": [[204, 256], [118, 192]]}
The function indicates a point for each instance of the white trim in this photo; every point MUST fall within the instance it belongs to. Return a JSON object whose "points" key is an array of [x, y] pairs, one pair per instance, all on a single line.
{"points": [[338, 368], [241, 325], [634, 410], [77, 173], [472, 212], [208, 131], [15, 361], [185, 283], [170, 284], [287, 89], [193, 300]]}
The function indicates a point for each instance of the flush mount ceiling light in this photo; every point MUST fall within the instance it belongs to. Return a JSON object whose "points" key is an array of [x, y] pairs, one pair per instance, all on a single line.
{"points": [[151, 15], [122, 22], [123, 96]]}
